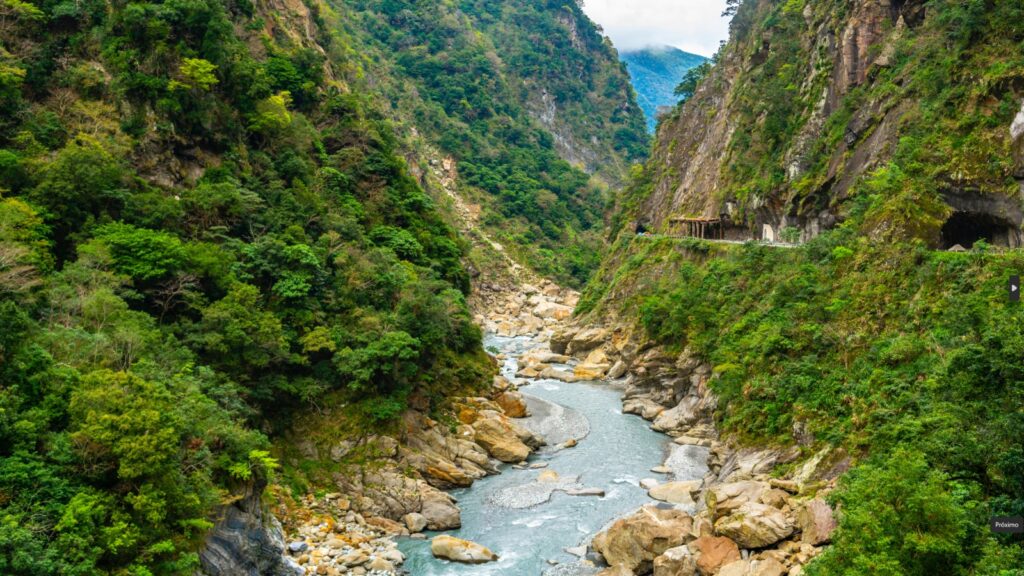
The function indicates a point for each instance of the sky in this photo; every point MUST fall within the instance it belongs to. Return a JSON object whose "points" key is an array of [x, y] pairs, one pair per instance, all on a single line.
{"points": [[692, 25]]}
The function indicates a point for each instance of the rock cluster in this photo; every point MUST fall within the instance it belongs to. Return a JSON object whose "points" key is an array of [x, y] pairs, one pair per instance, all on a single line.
{"points": [[737, 520], [530, 310], [334, 540], [402, 491]]}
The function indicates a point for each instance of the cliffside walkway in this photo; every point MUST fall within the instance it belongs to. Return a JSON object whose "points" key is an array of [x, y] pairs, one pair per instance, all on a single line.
{"points": [[721, 241]]}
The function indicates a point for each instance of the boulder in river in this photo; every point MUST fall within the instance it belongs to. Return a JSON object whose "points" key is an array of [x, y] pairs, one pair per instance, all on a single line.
{"points": [[459, 550], [553, 373]]}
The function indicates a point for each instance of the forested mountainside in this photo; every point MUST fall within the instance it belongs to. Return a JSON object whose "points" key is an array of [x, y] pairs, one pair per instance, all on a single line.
{"points": [[880, 133], [817, 110], [528, 99], [212, 222], [656, 72]]}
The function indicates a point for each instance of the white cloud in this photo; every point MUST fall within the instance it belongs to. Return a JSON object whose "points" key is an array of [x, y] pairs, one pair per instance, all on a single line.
{"points": [[692, 25]]}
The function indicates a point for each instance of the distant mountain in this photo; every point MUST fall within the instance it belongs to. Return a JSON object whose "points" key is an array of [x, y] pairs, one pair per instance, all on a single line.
{"points": [[656, 71]]}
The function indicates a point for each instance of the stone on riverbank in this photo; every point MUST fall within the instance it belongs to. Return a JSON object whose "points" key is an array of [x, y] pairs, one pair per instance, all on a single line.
{"points": [[675, 492], [816, 521], [500, 438], [589, 371], [676, 561], [755, 525], [440, 512], [636, 540], [459, 550], [415, 521], [512, 404], [713, 552], [723, 499]]}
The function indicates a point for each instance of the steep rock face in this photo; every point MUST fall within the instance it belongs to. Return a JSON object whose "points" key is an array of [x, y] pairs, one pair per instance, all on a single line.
{"points": [[809, 99], [247, 541]]}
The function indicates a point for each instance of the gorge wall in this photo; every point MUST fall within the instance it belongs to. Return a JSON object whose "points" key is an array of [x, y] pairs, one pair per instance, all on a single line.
{"points": [[812, 104]]}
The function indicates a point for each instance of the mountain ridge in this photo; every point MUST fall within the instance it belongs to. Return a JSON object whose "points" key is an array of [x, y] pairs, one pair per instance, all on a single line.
{"points": [[656, 71]]}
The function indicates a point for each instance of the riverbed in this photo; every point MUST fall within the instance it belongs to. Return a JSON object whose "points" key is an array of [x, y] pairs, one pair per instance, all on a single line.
{"points": [[530, 523]]}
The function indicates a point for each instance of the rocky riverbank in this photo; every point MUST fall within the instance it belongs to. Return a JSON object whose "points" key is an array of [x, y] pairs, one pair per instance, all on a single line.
{"points": [[743, 518], [394, 485]]}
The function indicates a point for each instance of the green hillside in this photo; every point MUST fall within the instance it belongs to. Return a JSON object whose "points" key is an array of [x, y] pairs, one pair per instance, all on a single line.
{"points": [[213, 219]]}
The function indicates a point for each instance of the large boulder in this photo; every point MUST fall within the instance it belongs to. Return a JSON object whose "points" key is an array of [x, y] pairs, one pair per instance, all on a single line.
{"points": [[459, 550], [585, 341], [676, 561], [680, 418], [502, 439], [636, 540], [548, 309], [642, 406], [675, 492], [512, 404], [588, 371], [440, 512], [723, 499], [755, 525], [415, 522], [559, 341], [816, 522], [713, 552], [736, 568], [767, 567], [552, 373]]}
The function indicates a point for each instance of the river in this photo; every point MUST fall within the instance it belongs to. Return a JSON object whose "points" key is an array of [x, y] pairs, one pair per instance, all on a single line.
{"points": [[510, 512]]}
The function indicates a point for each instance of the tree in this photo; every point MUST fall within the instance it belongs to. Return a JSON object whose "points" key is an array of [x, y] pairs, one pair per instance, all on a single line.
{"points": [[686, 89], [84, 181], [195, 73], [898, 518]]}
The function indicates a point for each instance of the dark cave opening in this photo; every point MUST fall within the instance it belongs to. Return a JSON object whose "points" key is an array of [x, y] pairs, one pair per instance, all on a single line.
{"points": [[966, 228]]}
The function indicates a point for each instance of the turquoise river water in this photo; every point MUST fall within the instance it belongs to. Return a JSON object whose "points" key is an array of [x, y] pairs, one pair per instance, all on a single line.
{"points": [[505, 513]]}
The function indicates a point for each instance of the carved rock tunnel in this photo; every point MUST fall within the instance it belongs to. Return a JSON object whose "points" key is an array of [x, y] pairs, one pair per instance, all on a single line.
{"points": [[965, 228]]}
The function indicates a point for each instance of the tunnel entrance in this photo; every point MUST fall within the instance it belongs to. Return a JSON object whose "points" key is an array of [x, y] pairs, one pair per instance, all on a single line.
{"points": [[966, 228]]}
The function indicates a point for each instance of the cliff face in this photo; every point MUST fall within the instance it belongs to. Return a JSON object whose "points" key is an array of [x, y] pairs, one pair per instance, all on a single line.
{"points": [[570, 80], [527, 105], [809, 100]]}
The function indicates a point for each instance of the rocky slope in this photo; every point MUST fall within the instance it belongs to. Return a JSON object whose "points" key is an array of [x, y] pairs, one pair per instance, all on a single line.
{"points": [[810, 100]]}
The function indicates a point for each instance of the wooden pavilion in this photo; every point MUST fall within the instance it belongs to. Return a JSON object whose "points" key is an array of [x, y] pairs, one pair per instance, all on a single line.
{"points": [[706, 228]]}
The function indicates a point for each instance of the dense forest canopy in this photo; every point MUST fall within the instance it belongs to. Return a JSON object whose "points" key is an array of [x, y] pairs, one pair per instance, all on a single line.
{"points": [[204, 228]]}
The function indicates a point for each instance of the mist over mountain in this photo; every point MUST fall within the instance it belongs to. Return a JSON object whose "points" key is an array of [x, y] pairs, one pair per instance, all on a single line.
{"points": [[656, 71]]}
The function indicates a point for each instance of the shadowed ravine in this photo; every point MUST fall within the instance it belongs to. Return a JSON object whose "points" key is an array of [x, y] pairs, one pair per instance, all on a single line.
{"points": [[512, 513]]}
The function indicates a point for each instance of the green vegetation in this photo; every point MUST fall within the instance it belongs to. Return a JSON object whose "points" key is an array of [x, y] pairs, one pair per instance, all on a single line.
{"points": [[949, 81], [206, 229], [471, 76], [910, 360]]}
